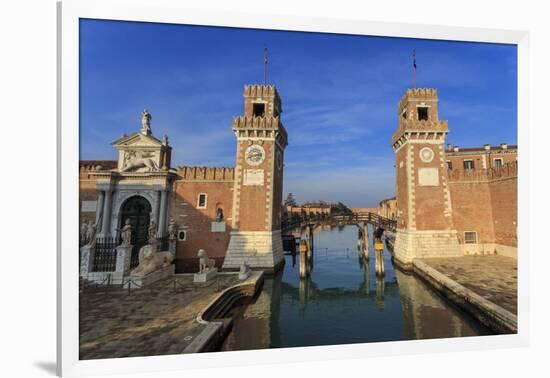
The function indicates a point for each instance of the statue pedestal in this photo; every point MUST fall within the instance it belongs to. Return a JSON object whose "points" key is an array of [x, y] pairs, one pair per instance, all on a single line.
{"points": [[205, 276], [157, 275], [123, 256], [244, 275], [172, 246], [86, 260]]}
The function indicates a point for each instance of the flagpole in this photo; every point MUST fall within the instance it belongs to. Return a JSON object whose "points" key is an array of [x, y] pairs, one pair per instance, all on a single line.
{"points": [[265, 65], [414, 68]]}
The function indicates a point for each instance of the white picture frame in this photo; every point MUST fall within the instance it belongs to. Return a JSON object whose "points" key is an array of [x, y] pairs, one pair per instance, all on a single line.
{"points": [[69, 14]]}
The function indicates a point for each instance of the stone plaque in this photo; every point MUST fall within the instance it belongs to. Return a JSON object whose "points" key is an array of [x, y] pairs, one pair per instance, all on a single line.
{"points": [[88, 206], [253, 177], [428, 177], [218, 227]]}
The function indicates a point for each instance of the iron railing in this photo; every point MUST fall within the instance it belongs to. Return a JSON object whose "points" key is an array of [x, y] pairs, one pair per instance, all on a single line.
{"points": [[105, 254], [163, 243]]}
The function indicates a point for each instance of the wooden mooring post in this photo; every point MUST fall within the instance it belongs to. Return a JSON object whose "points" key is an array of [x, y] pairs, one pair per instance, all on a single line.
{"points": [[304, 266], [310, 241], [379, 258], [366, 241]]}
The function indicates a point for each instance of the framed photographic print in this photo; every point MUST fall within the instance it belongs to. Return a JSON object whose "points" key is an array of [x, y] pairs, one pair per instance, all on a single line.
{"points": [[296, 188]]}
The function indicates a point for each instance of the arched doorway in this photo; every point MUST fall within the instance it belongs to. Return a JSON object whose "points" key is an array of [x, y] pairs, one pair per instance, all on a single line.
{"points": [[138, 210]]}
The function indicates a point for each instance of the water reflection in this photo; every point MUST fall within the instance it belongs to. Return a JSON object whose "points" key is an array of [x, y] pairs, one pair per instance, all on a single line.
{"points": [[343, 301]]}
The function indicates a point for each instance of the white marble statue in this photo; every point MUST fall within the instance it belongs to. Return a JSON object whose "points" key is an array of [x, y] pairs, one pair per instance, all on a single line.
{"points": [[126, 233], [152, 231], [134, 160], [150, 261], [205, 264], [172, 232], [244, 271], [83, 231], [146, 122], [90, 233]]}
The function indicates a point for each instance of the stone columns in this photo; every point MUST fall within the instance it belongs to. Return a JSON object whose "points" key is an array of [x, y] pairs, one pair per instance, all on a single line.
{"points": [[86, 259], [123, 256], [99, 208], [162, 215], [106, 225], [156, 210]]}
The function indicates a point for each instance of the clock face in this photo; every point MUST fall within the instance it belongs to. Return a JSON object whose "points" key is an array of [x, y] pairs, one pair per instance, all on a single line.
{"points": [[254, 155]]}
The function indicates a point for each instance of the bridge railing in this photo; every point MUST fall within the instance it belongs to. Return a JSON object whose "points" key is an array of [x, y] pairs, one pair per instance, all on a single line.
{"points": [[367, 217]]}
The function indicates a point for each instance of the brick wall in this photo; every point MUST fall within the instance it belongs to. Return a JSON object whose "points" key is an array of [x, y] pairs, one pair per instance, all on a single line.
{"points": [[485, 201], [198, 222]]}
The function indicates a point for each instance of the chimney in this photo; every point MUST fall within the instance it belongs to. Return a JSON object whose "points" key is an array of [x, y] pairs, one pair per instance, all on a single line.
{"points": [[487, 146], [449, 147], [455, 148], [504, 146]]}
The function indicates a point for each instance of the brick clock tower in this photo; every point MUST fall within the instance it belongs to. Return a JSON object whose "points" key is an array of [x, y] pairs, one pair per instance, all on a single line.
{"points": [[258, 188], [425, 224]]}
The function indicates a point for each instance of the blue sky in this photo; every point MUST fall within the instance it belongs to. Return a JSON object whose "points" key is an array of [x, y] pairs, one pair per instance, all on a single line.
{"points": [[339, 94]]}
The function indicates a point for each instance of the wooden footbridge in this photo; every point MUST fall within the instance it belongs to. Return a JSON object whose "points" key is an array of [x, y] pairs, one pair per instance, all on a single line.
{"points": [[339, 219]]}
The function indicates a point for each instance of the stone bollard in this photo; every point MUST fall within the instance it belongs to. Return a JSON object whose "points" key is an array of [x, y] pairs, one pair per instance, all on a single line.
{"points": [[304, 270], [123, 258], [86, 260]]}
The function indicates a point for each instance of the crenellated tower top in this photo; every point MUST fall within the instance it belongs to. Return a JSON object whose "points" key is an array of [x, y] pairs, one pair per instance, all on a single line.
{"points": [[418, 112], [261, 101], [261, 118]]}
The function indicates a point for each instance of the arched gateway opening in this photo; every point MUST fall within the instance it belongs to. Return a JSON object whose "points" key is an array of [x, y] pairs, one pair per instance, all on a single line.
{"points": [[138, 210]]}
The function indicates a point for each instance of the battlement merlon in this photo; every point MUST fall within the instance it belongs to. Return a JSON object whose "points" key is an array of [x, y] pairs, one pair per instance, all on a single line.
{"points": [[418, 94], [260, 90], [188, 173], [260, 127], [425, 129]]}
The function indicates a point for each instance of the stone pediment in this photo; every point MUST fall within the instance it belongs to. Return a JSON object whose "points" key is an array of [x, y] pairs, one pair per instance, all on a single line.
{"points": [[142, 153], [137, 140]]}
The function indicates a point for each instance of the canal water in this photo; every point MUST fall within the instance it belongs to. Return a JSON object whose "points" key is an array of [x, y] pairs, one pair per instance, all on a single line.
{"points": [[343, 302]]}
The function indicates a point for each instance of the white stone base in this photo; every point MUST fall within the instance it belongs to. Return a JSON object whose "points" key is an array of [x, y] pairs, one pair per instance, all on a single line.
{"points": [[489, 249], [105, 278], [205, 276], [410, 244], [157, 275], [259, 249]]}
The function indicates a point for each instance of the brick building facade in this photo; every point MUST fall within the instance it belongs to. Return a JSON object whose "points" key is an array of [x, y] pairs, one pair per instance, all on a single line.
{"points": [[233, 213], [450, 201]]}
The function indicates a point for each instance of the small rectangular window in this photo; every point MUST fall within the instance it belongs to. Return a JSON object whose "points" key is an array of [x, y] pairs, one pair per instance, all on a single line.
{"points": [[468, 164], [201, 203], [449, 164], [470, 237], [422, 113], [497, 162], [258, 110]]}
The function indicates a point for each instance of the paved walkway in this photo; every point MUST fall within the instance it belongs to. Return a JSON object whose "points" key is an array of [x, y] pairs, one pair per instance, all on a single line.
{"points": [[492, 277], [151, 321]]}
